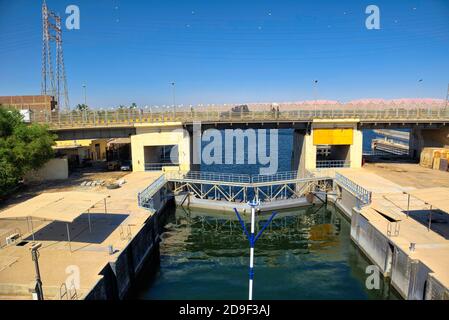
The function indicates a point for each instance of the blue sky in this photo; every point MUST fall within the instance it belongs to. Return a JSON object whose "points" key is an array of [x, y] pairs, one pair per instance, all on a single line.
{"points": [[232, 51]]}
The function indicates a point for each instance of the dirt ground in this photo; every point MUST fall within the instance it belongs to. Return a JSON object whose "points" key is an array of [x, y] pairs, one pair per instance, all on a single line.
{"points": [[410, 174]]}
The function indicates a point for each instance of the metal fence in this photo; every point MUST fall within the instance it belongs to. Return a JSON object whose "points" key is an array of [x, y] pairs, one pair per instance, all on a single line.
{"points": [[363, 195], [144, 198], [63, 119], [159, 166], [211, 176], [217, 177], [333, 164], [390, 153]]}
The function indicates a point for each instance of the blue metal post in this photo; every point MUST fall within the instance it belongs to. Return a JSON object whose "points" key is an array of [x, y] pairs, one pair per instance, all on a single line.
{"points": [[252, 240]]}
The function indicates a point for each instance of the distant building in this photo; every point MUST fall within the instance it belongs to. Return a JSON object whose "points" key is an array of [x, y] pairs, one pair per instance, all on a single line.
{"points": [[33, 103]]}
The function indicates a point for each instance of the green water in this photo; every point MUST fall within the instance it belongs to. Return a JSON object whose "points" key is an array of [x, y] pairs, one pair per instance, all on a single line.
{"points": [[306, 253]]}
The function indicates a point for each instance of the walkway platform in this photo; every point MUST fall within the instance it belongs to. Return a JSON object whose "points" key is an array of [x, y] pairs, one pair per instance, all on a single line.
{"points": [[431, 246], [90, 250]]}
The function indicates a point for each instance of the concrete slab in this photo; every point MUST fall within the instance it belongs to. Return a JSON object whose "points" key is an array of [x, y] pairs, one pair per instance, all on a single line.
{"points": [[89, 250], [432, 246]]}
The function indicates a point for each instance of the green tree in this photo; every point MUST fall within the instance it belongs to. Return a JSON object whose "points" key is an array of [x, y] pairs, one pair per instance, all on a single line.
{"points": [[82, 107], [23, 147]]}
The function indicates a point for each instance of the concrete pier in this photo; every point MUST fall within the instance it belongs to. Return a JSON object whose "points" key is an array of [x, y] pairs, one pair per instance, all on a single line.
{"points": [[87, 270], [415, 258]]}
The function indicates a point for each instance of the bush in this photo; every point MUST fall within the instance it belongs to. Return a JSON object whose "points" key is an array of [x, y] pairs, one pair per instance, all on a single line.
{"points": [[23, 147]]}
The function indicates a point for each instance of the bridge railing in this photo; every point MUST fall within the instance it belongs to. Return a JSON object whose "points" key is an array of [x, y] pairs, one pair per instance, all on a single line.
{"points": [[303, 113], [362, 195], [211, 176], [217, 177]]}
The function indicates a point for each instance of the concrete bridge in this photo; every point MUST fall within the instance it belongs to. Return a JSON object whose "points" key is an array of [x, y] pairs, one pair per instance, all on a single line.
{"points": [[338, 127]]}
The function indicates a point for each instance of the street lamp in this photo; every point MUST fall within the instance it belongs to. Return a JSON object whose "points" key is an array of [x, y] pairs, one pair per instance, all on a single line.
{"points": [[37, 291], [315, 84], [85, 96], [174, 95], [447, 96]]}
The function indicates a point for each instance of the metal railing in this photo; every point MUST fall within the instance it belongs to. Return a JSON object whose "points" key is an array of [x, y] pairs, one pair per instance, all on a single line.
{"points": [[333, 164], [213, 176], [218, 177], [281, 176], [145, 197], [363, 195], [159, 166], [390, 153], [370, 112]]}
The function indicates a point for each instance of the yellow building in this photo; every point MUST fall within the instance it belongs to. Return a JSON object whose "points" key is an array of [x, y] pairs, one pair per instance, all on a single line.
{"points": [[83, 149]]}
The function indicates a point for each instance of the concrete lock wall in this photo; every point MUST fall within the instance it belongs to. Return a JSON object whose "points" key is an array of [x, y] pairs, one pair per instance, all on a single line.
{"points": [[158, 135], [400, 273], [418, 281], [347, 201], [119, 277], [371, 242], [435, 290], [55, 169]]}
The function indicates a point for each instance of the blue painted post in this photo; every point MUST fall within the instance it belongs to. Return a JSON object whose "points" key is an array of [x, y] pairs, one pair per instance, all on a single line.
{"points": [[252, 240]]}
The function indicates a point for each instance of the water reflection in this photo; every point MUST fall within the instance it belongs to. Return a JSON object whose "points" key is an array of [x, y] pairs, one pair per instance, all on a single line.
{"points": [[303, 254]]}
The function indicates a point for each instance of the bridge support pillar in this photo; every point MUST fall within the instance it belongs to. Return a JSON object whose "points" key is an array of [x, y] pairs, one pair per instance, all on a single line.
{"points": [[304, 151], [427, 137], [161, 147], [328, 144]]}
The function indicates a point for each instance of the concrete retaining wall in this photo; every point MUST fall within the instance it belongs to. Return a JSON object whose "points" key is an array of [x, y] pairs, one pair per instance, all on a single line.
{"points": [[55, 169], [411, 278], [371, 242], [120, 275], [435, 290], [347, 201]]}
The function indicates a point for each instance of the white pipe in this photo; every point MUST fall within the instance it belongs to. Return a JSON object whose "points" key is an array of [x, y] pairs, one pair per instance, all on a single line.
{"points": [[251, 251]]}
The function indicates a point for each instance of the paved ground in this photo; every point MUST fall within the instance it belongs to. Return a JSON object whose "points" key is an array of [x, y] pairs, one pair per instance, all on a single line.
{"points": [[410, 174], [89, 250], [71, 184], [388, 183]]}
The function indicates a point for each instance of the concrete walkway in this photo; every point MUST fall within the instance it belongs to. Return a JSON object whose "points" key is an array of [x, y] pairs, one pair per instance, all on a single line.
{"points": [[431, 246], [89, 250]]}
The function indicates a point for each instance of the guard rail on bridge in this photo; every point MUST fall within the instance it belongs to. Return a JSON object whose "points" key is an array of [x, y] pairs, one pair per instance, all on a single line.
{"points": [[128, 117], [239, 184]]}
